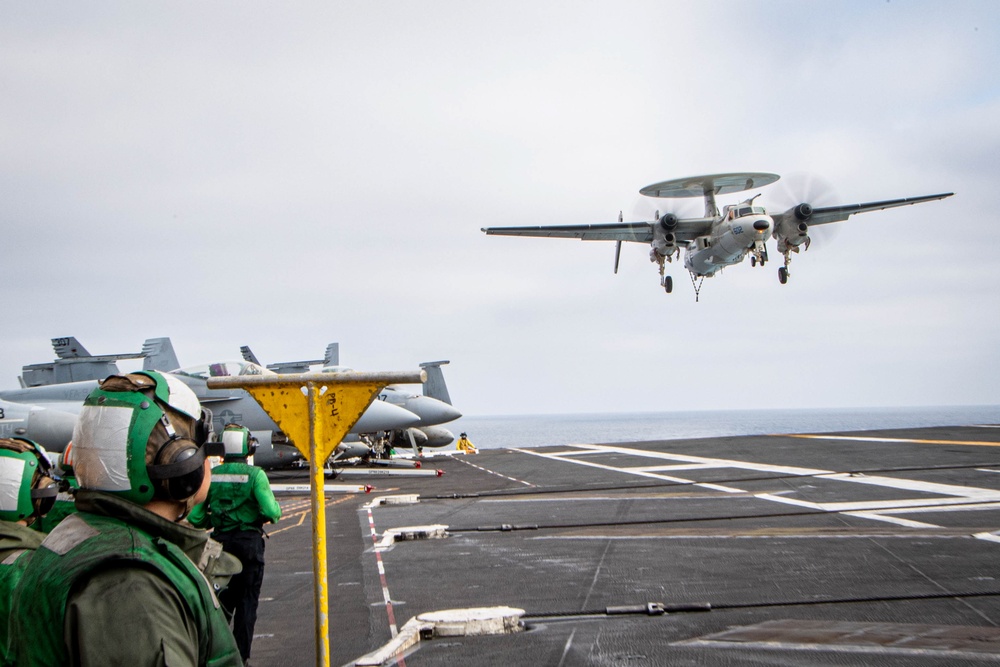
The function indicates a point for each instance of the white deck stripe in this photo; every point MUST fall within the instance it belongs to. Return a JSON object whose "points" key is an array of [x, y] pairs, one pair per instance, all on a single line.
{"points": [[951, 497]]}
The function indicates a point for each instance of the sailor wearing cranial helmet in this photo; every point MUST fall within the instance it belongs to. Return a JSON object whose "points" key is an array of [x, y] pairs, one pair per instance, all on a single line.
{"points": [[123, 578], [27, 492], [240, 502]]}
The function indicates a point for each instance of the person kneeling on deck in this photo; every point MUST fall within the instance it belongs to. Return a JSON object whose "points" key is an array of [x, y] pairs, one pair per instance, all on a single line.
{"points": [[239, 503], [465, 445], [27, 492], [122, 581]]}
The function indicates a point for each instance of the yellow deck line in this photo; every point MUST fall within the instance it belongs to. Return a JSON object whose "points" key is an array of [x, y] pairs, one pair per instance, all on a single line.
{"points": [[977, 443]]}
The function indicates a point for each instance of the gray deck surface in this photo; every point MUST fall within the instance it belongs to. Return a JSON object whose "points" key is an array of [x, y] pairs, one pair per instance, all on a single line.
{"points": [[810, 551]]}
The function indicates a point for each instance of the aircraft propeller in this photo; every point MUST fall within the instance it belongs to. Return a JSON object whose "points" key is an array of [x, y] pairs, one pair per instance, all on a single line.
{"points": [[803, 192]]}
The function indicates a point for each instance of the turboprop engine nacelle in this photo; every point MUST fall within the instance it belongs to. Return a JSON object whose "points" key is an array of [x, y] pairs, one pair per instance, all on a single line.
{"points": [[792, 232], [664, 239]]}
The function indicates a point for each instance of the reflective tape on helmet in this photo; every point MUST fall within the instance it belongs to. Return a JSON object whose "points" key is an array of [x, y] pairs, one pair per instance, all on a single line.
{"points": [[11, 476], [100, 447], [181, 397], [235, 441]]}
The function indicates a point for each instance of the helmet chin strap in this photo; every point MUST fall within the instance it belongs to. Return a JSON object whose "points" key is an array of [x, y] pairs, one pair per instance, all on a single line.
{"points": [[189, 505]]}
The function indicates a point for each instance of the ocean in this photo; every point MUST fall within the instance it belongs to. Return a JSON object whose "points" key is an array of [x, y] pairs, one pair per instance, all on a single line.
{"points": [[491, 432]]}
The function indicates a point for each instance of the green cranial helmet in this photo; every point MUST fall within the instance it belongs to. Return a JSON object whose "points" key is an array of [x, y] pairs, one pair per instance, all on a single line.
{"points": [[26, 489], [141, 435], [238, 442]]}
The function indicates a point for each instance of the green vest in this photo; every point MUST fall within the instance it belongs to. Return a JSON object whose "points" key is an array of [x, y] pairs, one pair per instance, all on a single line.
{"points": [[17, 543], [233, 503], [79, 545]]}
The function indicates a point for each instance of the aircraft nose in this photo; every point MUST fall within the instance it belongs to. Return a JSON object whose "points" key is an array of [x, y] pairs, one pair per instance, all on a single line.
{"points": [[761, 225], [52, 429], [384, 416], [432, 411]]}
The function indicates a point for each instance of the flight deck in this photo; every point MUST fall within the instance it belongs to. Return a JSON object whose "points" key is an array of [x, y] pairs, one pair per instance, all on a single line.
{"points": [[878, 547]]}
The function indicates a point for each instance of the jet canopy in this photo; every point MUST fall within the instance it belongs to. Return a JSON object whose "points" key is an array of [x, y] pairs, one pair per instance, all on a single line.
{"points": [[223, 369]]}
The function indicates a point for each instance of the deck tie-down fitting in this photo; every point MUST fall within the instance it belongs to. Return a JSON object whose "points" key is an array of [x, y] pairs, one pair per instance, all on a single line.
{"points": [[433, 532], [446, 623]]}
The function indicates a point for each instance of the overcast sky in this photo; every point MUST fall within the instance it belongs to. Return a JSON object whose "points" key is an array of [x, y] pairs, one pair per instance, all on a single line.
{"points": [[285, 175]]}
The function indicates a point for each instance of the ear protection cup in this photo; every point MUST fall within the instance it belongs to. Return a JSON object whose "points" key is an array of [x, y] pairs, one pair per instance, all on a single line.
{"points": [[178, 469], [251, 446]]}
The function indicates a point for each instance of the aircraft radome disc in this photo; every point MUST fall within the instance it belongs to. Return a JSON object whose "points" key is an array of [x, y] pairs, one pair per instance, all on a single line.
{"points": [[697, 186]]}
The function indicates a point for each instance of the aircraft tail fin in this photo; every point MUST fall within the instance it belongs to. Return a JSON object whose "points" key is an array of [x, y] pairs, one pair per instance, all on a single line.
{"points": [[435, 386], [332, 356], [159, 355], [248, 355], [69, 347]]}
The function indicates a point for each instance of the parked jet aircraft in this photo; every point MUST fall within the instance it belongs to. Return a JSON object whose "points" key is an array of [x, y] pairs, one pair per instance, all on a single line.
{"points": [[432, 411], [716, 240], [226, 405], [44, 425]]}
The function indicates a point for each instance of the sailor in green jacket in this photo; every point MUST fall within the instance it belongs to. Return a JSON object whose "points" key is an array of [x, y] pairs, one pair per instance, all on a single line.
{"points": [[26, 494], [239, 503], [122, 581]]}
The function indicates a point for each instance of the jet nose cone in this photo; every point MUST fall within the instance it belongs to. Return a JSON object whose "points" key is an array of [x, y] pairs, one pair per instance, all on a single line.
{"points": [[432, 411], [383, 416], [53, 429]]}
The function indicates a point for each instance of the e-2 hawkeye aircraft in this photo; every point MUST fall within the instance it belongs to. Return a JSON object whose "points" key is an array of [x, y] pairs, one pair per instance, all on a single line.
{"points": [[717, 239]]}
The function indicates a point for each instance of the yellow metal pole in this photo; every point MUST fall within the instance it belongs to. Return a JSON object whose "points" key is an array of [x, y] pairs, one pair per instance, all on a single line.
{"points": [[321, 595], [316, 410]]}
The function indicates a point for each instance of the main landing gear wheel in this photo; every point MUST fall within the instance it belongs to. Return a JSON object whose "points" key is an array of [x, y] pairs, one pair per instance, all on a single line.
{"points": [[782, 274], [668, 284]]}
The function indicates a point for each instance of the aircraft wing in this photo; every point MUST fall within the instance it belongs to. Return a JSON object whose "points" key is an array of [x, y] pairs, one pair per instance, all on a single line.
{"points": [[686, 230], [827, 214], [641, 232]]}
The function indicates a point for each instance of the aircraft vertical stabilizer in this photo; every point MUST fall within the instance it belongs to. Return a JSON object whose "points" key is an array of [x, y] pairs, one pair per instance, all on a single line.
{"points": [[332, 357], [159, 355], [68, 347], [435, 386]]}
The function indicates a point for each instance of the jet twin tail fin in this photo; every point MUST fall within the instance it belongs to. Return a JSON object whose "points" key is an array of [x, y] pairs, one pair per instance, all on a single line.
{"points": [[248, 355], [68, 347], [332, 356], [435, 386], [159, 355]]}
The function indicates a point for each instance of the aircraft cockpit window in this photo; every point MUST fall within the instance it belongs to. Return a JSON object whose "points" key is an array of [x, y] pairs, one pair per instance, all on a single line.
{"points": [[223, 369], [750, 210]]}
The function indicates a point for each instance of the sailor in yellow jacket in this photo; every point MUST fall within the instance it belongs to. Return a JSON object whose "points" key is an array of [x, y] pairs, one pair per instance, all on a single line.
{"points": [[465, 445]]}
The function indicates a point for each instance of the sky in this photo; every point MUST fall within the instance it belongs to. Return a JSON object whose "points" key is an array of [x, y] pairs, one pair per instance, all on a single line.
{"points": [[286, 175]]}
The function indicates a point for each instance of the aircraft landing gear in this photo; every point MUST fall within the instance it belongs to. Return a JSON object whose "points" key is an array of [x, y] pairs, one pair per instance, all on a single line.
{"points": [[782, 274], [667, 283]]}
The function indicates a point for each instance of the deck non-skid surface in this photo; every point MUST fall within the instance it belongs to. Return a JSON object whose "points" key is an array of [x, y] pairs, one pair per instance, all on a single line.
{"points": [[847, 549]]}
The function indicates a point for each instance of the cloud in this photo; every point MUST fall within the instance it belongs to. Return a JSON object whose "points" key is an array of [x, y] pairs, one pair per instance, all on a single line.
{"points": [[287, 176]]}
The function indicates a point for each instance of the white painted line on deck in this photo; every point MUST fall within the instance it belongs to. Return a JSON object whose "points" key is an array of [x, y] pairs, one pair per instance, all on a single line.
{"points": [[381, 574], [487, 470], [947, 497]]}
